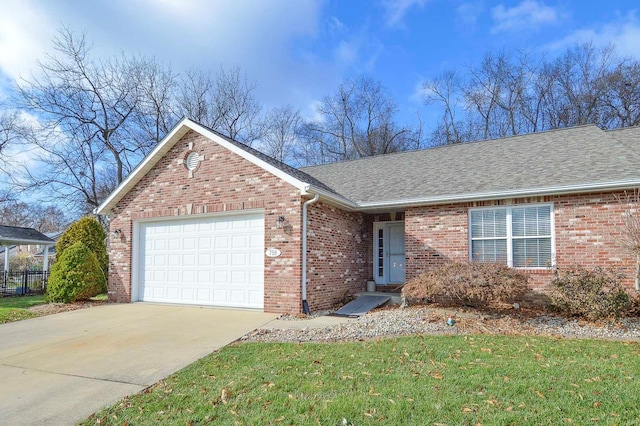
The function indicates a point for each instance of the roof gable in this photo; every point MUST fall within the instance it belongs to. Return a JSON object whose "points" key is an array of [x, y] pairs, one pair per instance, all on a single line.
{"points": [[295, 177]]}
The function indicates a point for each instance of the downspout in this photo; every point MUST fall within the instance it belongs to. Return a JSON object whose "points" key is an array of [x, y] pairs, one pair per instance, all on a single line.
{"points": [[637, 283], [305, 305]]}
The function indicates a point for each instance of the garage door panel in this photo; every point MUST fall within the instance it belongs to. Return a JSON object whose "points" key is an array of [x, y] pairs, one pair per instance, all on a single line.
{"points": [[238, 259], [204, 259], [172, 292], [214, 261], [187, 294], [220, 277], [204, 277]]}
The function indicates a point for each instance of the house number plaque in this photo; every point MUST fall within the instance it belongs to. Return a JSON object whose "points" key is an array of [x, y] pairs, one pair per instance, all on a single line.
{"points": [[273, 252]]}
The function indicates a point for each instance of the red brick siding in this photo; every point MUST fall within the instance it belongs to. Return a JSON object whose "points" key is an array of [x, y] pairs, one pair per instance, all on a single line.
{"points": [[338, 255], [224, 181], [585, 229]]}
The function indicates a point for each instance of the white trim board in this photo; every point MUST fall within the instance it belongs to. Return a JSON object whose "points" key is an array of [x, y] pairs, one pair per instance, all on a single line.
{"points": [[169, 142]]}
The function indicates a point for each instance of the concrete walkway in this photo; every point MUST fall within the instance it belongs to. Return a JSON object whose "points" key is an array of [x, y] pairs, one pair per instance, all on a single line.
{"points": [[58, 369]]}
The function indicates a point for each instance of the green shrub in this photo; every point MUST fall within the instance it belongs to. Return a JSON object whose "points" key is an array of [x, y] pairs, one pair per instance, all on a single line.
{"points": [[88, 231], [470, 284], [590, 293], [75, 276]]}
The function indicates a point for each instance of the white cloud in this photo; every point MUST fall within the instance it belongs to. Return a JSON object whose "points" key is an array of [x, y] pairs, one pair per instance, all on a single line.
{"points": [[24, 32], [527, 15], [347, 52], [269, 40], [395, 10], [469, 12], [623, 33]]}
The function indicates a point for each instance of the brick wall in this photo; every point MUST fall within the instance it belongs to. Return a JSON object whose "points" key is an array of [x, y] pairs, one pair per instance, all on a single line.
{"points": [[224, 181], [585, 228], [338, 255]]}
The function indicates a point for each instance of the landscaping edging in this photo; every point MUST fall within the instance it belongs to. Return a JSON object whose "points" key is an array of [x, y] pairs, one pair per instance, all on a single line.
{"points": [[389, 322]]}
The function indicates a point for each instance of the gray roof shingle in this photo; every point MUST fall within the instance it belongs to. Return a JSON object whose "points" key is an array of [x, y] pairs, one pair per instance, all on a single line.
{"points": [[558, 158], [296, 173], [19, 234]]}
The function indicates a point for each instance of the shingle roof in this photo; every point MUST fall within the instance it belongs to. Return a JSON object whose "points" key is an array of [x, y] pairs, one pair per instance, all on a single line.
{"points": [[296, 173], [577, 156], [17, 234], [629, 136]]}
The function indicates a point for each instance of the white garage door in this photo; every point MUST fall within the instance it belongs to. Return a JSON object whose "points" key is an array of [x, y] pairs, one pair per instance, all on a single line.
{"points": [[207, 261]]}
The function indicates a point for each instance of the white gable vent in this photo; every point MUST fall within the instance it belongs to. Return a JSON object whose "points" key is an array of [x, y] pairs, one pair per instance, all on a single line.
{"points": [[192, 161]]}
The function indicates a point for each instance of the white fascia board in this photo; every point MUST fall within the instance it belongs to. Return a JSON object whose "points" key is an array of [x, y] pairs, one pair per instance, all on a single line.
{"points": [[559, 190], [302, 186], [178, 131], [23, 242]]}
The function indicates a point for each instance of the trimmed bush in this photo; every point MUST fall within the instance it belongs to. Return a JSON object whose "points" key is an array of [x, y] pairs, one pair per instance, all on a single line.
{"points": [[75, 276], [471, 284], [88, 231], [590, 293]]}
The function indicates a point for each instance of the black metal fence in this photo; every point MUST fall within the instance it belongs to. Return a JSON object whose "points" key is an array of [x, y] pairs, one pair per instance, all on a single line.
{"points": [[23, 283]]}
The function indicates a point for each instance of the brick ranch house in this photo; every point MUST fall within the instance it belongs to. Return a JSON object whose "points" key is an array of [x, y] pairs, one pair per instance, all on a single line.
{"points": [[207, 220]]}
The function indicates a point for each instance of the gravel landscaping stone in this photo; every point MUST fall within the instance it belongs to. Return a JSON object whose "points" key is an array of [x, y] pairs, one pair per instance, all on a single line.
{"points": [[395, 321]]}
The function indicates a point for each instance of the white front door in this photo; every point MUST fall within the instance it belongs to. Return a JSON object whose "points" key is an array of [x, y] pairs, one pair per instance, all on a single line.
{"points": [[389, 256]]}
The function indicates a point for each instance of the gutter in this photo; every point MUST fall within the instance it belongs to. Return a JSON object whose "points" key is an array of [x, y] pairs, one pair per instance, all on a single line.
{"points": [[305, 305], [483, 196]]}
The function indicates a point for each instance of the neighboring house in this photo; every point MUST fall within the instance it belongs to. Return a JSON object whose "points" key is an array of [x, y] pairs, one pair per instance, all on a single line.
{"points": [[51, 249], [207, 220], [16, 239]]}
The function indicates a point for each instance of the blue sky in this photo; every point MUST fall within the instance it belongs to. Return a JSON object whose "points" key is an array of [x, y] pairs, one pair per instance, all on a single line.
{"points": [[298, 51]]}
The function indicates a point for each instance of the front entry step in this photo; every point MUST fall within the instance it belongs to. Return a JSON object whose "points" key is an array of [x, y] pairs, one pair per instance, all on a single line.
{"points": [[396, 298], [361, 305]]}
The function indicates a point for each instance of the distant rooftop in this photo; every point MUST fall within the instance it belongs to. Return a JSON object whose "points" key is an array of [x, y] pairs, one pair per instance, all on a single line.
{"points": [[10, 235]]}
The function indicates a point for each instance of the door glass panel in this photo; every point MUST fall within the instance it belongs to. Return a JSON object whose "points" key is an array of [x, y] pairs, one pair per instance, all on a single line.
{"points": [[396, 253], [380, 252]]}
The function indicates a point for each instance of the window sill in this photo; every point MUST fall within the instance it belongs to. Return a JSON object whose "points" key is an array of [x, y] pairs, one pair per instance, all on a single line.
{"points": [[540, 271]]}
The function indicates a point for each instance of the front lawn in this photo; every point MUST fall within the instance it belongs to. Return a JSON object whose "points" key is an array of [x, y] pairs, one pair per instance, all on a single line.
{"points": [[15, 308], [418, 380]]}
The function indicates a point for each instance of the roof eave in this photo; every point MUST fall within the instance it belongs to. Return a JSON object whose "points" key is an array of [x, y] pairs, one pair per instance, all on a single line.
{"points": [[18, 241], [332, 198], [497, 195]]}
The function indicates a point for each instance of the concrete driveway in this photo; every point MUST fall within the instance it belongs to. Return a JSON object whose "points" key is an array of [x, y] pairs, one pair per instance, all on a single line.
{"points": [[58, 369]]}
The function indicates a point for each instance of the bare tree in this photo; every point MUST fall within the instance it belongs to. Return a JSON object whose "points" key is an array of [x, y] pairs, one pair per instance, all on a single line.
{"points": [[357, 121], [44, 218], [515, 92], [628, 234], [9, 128], [93, 120], [621, 98], [281, 126], [89, 102], [156, 110], [445, 90], [223, 102], [195, 97], [237, 111]]}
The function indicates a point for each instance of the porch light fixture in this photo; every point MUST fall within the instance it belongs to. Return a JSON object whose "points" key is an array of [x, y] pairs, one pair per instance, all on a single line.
{"points": [[116, 232], [280, 222]]}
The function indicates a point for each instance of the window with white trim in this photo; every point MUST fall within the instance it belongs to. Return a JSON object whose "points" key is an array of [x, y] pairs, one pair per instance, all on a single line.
{"points": [[519, 236]]}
